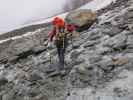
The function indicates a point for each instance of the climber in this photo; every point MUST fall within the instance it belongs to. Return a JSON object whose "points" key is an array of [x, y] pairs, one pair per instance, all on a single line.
{"points": [[60, 40], [60, 34]]}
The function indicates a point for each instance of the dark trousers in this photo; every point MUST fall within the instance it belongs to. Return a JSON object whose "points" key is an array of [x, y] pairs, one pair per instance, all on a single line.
{"points": [[61, 56], [61, 52]]}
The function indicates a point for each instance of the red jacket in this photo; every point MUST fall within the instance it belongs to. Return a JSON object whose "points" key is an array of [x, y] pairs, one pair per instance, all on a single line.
{"points": [[51, 34], [70, 28]]}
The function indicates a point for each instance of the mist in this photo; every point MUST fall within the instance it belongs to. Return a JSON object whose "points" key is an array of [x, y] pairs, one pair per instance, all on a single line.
{"points": [[14, 13]]}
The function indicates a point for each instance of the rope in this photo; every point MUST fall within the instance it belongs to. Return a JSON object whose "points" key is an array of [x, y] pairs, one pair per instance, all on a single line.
{"points": [[71, 41], [63, 42]]}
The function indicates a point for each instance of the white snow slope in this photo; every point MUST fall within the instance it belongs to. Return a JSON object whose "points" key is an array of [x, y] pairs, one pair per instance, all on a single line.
{"points": [[15, 14]]}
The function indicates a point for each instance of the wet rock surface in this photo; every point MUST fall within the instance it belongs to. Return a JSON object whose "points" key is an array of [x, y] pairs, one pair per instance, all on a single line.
{"points": [[100, 68], [82, 18]]}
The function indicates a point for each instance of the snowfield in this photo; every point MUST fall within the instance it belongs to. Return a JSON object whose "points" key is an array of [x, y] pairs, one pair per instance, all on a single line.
{"points": [[18, 14]]}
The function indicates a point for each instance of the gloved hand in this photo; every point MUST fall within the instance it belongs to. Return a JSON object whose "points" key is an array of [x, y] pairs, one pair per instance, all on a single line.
{"points": [[50, 45]]}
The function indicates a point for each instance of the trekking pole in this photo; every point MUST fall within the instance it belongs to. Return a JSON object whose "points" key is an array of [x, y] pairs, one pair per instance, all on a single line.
{"points": [[50, 58], [49, 54], [63, 48]]}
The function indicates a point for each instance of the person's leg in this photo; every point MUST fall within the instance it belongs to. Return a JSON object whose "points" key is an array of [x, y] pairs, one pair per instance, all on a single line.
{"points": [[61, 58], [59, 53], [63, 52]]}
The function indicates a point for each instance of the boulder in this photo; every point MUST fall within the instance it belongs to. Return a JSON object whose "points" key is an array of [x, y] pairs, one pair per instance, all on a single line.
{"points": [[40, 97], [38, 49], [130, 41], [116, 42], [82, 19], [35, 77], [3, 81]]}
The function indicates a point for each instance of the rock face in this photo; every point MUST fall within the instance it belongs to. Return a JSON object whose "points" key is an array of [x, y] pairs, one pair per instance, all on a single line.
{"points": [[82, 19], [99, 68]]}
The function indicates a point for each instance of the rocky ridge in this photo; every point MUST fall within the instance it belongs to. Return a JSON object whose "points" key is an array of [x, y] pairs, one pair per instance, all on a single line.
{"points": [[100, 67]]}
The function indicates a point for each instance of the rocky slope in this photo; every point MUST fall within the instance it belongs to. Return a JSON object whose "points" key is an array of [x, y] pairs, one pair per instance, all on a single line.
{"points": [[100, 67]]}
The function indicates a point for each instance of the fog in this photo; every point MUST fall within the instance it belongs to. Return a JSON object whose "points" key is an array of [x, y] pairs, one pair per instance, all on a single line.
{"points": [[14, 13]]}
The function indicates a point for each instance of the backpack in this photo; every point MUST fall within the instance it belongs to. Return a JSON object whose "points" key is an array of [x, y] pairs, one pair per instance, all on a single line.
{"points": [[60, 39], [70, 27]]}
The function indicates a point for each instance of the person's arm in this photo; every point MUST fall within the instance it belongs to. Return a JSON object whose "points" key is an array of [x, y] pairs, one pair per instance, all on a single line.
{"points": [[50, 38], [51, 35]]}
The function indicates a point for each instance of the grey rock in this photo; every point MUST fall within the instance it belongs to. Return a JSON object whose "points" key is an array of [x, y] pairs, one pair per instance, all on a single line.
{"points": [[95, 58], [35, 77], [82, 76], [95, 62], [3, 60], [106, 65], [95, 36], [40, 97], [21, 45], [130, 41], [121, 92], [13, 59], [76, 45], [90, 44], [130, 27], [103, 50], [51, 67], [8, 96], [82, 18], [75, 54], [38, 49], [0, 97], [77, 62], [117, 41], [3, 81], [55, 73], [111, 31], [82, 69], [33, 92]]}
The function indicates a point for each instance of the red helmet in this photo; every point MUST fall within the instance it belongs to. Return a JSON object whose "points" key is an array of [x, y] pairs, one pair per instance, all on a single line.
{"points": [[58, 22]]}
